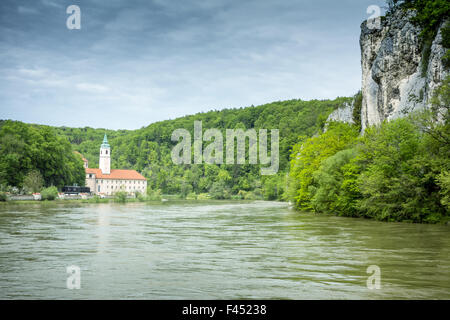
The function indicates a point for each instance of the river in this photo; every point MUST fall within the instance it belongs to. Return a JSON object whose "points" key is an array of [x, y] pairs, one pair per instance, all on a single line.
{"points": [[215, 250]]}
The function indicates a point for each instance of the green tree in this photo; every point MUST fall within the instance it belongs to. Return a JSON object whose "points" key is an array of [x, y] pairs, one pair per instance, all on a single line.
{"points": [[33, 181], [307, 156], [219, 190], [24, 148], [444, 182], [336, 188], [398, 181]]}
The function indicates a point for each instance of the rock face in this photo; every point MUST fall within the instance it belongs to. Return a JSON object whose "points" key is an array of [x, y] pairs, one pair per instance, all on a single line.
{"points": [[393, 84], [344, 114]]}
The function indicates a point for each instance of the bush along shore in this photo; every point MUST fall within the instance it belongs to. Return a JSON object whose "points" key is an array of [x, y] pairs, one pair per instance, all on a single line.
{"points": [[51, 194]]}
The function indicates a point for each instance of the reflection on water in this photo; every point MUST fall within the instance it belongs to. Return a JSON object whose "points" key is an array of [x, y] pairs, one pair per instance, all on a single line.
{"points": [[215, 250], [102, 227]]}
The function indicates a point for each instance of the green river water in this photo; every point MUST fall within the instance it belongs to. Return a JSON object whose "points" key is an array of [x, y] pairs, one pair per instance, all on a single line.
{"points": [[215, 250]]}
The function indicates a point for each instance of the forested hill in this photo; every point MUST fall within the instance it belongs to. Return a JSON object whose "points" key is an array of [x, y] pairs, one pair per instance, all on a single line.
{"points": [[148, 149]]}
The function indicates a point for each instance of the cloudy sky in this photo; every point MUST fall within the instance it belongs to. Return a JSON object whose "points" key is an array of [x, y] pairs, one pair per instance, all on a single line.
{"points": [[136, 62]]}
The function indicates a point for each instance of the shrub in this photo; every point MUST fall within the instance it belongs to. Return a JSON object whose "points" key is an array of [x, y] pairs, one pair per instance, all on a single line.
{"points": [[203, 196], [97, 199], [3, 197], [154, 195], [446, 44], [258, 193], [120, 196], [139, 196], [444, 182], [241, 194], [446, 59], [426, 52], [185, 190], [356, 115], [219, 190], [191, 196], [428, 16], [33, 181], [50, 193], [250, 196]]}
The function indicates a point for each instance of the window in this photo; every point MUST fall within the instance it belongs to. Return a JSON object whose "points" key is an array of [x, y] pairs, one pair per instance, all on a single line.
{"points": [[106, 151]]}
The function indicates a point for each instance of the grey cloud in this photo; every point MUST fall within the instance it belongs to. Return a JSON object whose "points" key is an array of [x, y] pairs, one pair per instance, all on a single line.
{"points": [[163, 59]]}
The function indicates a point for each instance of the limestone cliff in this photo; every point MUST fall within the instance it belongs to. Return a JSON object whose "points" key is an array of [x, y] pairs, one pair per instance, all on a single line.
{"points": [[343, 114], [393, 83]]}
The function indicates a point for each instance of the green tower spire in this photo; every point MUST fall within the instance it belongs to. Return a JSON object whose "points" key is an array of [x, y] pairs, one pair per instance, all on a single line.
{"points": [[105, 143]]}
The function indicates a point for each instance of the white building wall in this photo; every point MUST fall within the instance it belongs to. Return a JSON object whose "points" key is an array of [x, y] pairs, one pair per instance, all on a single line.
{"points": [[110, 186]]}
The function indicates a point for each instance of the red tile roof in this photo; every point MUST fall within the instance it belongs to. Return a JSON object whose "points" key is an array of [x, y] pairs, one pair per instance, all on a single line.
{"points": [[117, 174]]}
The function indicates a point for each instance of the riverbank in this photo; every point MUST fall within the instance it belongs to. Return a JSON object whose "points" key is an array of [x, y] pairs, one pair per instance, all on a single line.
{"points": [[64, 201], [93, 200], [175, 199]]}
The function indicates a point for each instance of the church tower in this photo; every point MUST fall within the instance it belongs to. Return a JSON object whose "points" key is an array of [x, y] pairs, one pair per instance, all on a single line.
{"points": [[105, 157]]}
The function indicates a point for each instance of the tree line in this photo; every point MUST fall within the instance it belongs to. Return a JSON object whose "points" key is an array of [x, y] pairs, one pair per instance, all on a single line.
{"points": [[148, 150], [395, 171], [33, 157]]}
